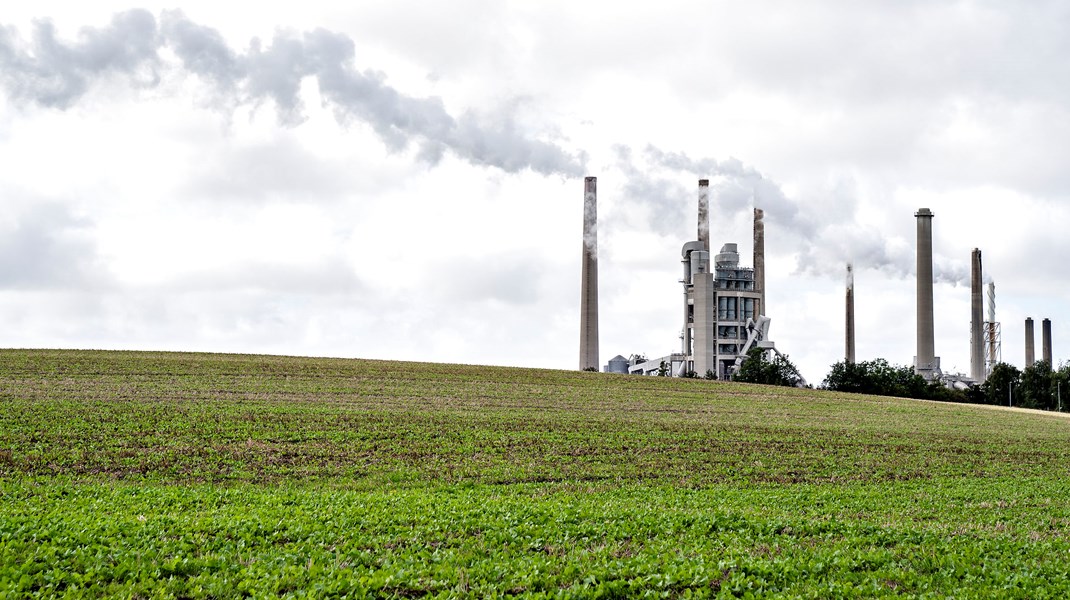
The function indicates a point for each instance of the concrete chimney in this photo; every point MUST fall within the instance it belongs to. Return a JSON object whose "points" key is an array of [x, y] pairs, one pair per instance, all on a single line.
{"points": [[589, 277], [849, 352], [977, 343], [759, 260], [1045, 341], [704, 213], [1029, 339], [926, 363]]}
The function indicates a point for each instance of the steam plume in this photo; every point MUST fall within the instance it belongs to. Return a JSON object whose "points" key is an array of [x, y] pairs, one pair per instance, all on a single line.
{"points": [[822, 238], [53, 73]]}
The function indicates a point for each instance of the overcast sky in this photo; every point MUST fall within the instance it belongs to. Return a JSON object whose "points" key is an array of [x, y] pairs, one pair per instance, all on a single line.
{"points": [[404, 180]]}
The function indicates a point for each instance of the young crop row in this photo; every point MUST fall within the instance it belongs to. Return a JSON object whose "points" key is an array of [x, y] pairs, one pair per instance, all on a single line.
{"points": [[1003, 538], [208, 476], [190, 418]]}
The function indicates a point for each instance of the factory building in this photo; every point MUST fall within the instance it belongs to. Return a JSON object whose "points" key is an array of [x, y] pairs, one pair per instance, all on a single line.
{"points": [[722, 305], [720, 296]]}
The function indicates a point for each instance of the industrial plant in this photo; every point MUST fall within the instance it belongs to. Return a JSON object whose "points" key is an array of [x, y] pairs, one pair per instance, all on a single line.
{"points": [[985, 335], [724, 312], [723, 303]]}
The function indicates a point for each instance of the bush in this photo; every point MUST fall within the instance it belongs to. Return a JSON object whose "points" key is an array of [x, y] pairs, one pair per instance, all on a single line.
{"points": [[880, 378], [759, 369]]}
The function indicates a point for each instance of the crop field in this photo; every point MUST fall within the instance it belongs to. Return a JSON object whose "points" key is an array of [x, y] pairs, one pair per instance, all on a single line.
{"points": [[144, 475]]}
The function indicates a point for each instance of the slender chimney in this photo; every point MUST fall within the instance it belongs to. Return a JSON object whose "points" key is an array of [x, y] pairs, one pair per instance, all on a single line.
{"points": [[1029, 339], [926, 363], [704, 213], [991, 325], [589, 277], [850, 329], [759, 260], [1045, 341], [977, 344]]}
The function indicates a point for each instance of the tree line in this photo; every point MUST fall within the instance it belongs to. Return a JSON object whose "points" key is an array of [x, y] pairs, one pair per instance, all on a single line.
{"points": [[1037, 386]]}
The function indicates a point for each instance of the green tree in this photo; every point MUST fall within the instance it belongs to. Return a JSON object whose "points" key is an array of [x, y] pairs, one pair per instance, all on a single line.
{"points": [[1038, 386], [880, 378], [759, 369], [1003, 377], [847, 376], [1062, 387]]}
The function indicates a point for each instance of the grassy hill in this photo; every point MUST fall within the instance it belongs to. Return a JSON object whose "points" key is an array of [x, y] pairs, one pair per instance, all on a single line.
{"points": [[198, 475]]}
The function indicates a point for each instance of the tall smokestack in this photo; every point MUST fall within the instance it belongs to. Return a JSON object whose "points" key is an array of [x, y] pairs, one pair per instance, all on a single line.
{"points": [[850, 328], [704, 213], [977, 344], [990, 326], [589, 277], [1045, 341], [926, 363], [759, 260], [1029, 339]]}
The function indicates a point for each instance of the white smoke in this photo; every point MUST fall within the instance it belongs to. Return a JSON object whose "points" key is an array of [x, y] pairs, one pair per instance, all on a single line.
{"points": [[820, 239], [54, 73], [590, 222]]}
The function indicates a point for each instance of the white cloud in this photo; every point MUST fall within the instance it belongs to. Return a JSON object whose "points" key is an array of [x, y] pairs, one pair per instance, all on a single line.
{"points": [[403, 183]]}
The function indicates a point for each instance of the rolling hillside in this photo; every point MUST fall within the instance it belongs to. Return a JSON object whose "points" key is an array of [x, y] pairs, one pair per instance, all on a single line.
{"points": [[202, 475]]}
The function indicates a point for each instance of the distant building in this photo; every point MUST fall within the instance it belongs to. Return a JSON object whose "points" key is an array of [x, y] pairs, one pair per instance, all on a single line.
{"points": [[617, 364], [718, 302]]}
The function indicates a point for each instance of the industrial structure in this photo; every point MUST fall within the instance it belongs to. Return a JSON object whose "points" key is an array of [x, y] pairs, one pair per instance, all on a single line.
{"points": [[724, 308], [977, 344], [1030, 356], [1045, 341], [722, 301], [759, 258], [589, 278], [849, 326], [926, 363], [993, 333], [723, 305]]}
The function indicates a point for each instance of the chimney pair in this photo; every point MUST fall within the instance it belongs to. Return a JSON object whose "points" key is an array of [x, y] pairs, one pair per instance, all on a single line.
{"points": [[1045, 340]]}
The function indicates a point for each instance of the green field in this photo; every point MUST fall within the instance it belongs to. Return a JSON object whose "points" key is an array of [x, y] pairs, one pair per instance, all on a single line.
{"points": [[197, 475]]}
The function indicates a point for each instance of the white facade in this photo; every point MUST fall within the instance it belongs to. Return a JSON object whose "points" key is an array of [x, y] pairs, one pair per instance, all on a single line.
{"points": [[718, 303]]}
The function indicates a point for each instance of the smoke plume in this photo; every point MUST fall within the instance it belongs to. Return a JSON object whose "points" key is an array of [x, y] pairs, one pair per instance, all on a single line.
{"points": [[590, 218], [822, 233], [54, 73]]}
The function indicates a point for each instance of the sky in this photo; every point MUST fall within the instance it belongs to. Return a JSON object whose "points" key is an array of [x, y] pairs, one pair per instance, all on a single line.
{"points": [[404, 180]]}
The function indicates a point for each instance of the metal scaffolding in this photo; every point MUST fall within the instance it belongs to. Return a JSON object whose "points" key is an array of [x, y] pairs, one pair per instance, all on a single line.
{"points": [[994, 343]]}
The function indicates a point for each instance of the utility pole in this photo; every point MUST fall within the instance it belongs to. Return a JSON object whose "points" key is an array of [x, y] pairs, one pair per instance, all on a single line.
{"points": [[1010, 398]]}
